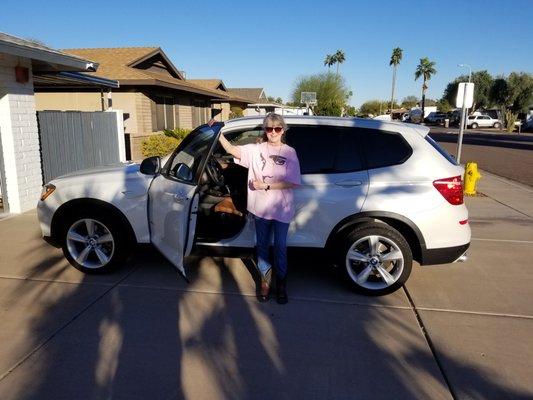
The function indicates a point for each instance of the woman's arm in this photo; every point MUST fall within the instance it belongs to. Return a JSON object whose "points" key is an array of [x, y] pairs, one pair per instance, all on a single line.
{"points": [[258, 185], [235, 151]]}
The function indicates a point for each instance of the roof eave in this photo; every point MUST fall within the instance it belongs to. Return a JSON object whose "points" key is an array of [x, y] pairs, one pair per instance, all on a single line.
{"points": [[156, 82], [55, 61]]}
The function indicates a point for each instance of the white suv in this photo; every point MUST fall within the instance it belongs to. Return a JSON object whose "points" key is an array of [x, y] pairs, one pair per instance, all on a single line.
{"points": [[483, 121], [374, 194]]}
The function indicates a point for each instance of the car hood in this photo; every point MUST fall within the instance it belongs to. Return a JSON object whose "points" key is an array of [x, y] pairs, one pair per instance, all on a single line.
{"points": [[113, 169]]}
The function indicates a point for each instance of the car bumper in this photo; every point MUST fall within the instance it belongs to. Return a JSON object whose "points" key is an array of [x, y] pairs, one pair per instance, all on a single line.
{"points": [[443, 255]]}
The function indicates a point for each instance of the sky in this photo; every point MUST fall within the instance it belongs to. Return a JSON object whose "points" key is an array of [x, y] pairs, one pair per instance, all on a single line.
{"points": [[271, 44]]}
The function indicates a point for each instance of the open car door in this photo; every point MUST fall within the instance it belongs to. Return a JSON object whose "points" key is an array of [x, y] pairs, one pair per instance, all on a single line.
{"points": [[173, 198]]}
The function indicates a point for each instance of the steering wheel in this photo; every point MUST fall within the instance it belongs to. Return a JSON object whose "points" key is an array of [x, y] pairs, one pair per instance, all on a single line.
{"points": [[214, 171]]}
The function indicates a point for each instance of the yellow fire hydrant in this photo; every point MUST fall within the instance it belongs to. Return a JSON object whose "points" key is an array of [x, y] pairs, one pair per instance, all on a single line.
{"points": [[471, 177]]}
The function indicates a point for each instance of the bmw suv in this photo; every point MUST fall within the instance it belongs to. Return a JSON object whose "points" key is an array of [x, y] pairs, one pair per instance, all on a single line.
{"points": [[375, 195]]}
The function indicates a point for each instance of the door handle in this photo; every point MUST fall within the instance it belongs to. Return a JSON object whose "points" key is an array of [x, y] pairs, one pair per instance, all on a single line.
{"points": [[180, 198], [349, 183]]}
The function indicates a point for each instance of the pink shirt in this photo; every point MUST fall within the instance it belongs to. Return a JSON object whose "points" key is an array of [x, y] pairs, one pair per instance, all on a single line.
{"points": [[271, 164]]}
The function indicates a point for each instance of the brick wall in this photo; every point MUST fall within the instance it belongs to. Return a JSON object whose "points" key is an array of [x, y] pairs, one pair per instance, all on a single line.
{"points": [[184, 110], [20, 137]]}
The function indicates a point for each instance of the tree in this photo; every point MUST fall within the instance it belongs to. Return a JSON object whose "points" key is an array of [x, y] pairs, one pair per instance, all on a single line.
{"points": [[443, 106], [483, 82], [340, 57], [329, 60], [376, 107], [332, 93], [409, 101], [395, 60], [520, 91], [425, 69]]}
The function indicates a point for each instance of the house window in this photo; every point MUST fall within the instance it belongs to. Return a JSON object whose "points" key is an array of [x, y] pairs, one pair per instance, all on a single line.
{"points": [[164, 113]]}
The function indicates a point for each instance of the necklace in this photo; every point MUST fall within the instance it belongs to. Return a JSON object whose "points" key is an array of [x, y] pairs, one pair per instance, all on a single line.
{"points": [[268, 153]]}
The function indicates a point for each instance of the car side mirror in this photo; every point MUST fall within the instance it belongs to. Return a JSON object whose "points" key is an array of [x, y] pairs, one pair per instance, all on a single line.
{"points": [[151, 165], [182, 171]]}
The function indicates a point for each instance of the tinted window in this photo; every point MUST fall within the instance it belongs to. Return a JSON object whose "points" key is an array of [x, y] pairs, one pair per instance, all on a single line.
{"points": [[186, 160], [349, 153], [383, 149], [315, 146], [326, 149]]}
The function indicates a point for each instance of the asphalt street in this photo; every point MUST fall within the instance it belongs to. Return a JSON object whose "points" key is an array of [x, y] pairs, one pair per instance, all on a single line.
{"points": [[506, 155], [459, 331]]}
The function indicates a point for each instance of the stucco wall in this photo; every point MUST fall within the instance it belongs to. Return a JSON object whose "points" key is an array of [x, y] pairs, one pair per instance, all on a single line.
{"points": [[20, 137]]}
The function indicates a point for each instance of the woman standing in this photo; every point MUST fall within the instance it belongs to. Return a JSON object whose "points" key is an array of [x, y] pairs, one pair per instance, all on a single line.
{"points": [[273, 172]]}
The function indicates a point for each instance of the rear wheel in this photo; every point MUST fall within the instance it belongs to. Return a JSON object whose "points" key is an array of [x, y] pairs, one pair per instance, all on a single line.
{"points": [[474, 125], [94, 242], [376, 259]]}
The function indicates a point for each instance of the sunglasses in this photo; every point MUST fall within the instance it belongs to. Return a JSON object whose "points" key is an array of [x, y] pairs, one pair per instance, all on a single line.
{"points": [[270, 129]]}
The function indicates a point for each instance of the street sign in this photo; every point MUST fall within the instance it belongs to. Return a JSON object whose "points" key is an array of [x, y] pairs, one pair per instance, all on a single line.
{"points": [[466, 92]]}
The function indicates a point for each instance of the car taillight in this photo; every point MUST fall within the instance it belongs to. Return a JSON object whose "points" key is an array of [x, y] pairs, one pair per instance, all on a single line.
{"points": [[451, 189]]}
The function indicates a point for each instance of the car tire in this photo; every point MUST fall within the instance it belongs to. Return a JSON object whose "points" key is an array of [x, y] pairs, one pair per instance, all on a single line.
{"points": [[474, 126], [497, 125], [375, 259], [94, 242]]}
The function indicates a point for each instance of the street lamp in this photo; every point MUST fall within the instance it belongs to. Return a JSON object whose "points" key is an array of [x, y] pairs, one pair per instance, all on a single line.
{"points": [[469, 70], [463, 114]]}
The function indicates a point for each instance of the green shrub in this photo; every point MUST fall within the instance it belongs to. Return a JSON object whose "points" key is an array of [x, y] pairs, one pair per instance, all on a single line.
{"points": [[510, 119], [178, 133], [158, 145]]}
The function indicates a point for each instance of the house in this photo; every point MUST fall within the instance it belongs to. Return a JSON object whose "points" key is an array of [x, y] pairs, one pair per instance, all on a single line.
{"points": [[23, 62], [153, 93], [253, 95], [221, 108]]}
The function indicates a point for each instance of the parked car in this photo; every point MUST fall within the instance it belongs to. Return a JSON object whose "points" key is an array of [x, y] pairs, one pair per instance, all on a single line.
{"points": [[375, 194], [436, 118], [482, 121]]}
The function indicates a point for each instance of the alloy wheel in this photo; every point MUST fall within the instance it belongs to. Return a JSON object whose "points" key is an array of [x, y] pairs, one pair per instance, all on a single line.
{"points": [[374, 262], [90, 243]]}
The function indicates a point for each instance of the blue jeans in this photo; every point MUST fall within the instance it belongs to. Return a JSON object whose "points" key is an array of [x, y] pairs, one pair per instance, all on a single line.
{"points": [[263, 228]]}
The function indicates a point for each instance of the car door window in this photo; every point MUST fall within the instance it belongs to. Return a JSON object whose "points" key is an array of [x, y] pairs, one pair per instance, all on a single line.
{"points": [[316, 147], [383, 149], [185, 162], [248, 136]]}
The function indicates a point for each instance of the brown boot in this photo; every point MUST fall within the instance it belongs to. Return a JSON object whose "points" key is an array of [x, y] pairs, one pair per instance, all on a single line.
{"points": [[264, 291]]}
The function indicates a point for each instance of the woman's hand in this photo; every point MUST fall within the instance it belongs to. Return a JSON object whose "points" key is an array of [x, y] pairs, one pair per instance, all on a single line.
{"points": [[258, 185]]}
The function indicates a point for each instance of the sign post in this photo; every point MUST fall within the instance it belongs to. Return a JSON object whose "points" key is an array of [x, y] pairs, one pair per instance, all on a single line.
{"points": [[308, 98], [465, 99]]}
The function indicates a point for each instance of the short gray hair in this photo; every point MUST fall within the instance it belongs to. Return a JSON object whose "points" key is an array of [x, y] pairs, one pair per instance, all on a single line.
{"points": [[273, 117]]}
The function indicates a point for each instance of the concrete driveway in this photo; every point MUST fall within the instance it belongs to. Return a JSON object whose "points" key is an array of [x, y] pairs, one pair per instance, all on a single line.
{"points": [[456, 331]]}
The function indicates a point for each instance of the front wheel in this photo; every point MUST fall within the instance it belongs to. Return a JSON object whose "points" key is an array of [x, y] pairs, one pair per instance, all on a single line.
{"points": [[93, 243], [474, 125], [497, 125], [376, 259]]}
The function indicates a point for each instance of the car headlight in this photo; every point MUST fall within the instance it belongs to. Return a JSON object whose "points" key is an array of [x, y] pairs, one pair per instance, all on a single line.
{"points": [[47, 191]]}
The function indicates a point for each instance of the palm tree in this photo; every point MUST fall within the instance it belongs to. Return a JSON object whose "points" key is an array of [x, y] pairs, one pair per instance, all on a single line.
{"points": [[339, 57], [395, 60], [329, 60], [425, 69]]}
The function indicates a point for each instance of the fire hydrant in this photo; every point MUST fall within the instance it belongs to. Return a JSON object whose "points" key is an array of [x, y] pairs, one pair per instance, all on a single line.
{"points": [[471, 177]]}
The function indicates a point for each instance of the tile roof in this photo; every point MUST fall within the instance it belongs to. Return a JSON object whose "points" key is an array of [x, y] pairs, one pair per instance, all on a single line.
{"points": [[115, 63], [209, 83], [251, 94]]}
